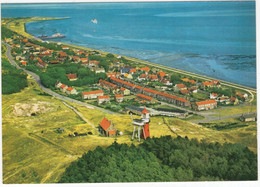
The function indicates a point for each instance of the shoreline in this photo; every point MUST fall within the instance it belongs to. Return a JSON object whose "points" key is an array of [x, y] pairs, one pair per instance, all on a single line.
{"points": [[175, 70]]}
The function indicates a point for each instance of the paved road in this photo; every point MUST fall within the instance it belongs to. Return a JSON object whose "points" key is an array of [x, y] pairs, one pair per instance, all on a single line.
{"points": [[37, 79]]}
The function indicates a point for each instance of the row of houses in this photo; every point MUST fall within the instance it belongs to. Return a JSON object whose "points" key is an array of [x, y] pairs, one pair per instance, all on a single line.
{"points": [[113, 88], [66, 89], [101, 98], [151, 93]]}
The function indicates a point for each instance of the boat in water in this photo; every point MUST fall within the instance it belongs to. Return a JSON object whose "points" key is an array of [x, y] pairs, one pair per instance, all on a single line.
{"points": [[94, 21], [57, 35]]}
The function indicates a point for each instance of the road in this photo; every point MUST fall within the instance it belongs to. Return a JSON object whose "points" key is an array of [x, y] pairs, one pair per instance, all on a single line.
{"points": [[54, 94]]}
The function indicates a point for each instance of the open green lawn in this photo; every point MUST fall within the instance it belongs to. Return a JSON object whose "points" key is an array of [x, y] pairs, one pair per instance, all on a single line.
{"points": [[193, 117], [200, 96], [226, 111]]}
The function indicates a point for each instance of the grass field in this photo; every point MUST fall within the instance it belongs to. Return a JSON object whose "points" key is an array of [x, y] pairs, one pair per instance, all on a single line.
{"points": [[30, 156], [234, 110]]}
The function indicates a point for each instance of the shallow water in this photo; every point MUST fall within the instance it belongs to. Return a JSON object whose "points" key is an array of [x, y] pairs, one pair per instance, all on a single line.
{"points": [[216, 39]]}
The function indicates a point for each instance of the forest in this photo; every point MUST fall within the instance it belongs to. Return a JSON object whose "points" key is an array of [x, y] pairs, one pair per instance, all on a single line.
{"points": [[164, 159], [13, 80], [6, 33]]}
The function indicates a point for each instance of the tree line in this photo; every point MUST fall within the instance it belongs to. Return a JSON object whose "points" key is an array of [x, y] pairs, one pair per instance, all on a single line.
{"points": [[164, 159]]}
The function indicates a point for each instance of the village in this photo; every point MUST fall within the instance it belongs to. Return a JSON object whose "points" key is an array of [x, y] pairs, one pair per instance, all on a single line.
{"points": [[119, 80]]}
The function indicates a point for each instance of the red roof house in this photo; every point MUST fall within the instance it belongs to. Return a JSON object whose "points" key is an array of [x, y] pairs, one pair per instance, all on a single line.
{"points": [[206, 105], [146, 69], [106, 128], [119, 98], [62, 54], [72, 77], [103, 99], [92, 94]]}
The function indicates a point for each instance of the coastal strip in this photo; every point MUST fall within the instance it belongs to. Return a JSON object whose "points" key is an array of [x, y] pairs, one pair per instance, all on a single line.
{"points": [[19, 25], [251, 91]]}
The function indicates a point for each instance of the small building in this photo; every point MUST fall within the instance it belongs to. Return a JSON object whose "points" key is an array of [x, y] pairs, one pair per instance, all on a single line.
{"points": [[24, 63], [80, 52], [153, 77], [248, 117], [234, 100], [65, 48], [146, 69], [58, 84], [166, 82], [125, 70], [124, 91], [179, 87], [72, 77], [119, 98], [94, 63], [41, 64], [92, 94], [100, 70], [103, 99], [128, 76], [62, 54], [184, 92], [213, 96], [206, 105], [71, 90], [111, 75], [132, 71], [106, 128], [142, 77], [239, 94], [84, 59], [207, 83], [193, 89], [216, 83], [63, 88], [8, 40], [19, 58], [188, 80], [161, 74], [75, 59], [224, 99]]}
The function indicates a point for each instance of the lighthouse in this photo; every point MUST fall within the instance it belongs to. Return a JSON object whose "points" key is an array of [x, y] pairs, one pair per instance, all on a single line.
{"points": [[141, 125]]}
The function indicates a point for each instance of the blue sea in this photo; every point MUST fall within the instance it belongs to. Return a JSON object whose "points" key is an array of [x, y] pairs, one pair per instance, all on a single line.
{"points": [[217, 39]]}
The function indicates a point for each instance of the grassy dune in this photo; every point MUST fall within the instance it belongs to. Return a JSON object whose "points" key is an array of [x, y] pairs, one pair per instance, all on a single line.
{"points": [[30, 156]]}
